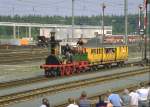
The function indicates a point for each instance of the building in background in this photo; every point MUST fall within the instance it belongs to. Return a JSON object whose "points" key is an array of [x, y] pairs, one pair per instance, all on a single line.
{"points": [[79, 31]]}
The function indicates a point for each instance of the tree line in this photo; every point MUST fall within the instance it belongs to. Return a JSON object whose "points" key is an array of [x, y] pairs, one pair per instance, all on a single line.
{"points": [[117, 22]]}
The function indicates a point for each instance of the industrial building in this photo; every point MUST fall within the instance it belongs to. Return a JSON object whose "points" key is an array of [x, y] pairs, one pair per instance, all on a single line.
{"points": [[65, 31]]}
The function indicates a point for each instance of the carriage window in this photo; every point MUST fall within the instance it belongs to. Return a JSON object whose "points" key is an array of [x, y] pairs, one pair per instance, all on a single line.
{"points": [[120, 49], [100, 51], [109, 50], [106, 50], [97, 51], [113, 50], [91, 51], [94, 51]]}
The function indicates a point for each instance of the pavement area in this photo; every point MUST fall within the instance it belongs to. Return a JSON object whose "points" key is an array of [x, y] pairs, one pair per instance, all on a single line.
{"points": [[61, 97]]}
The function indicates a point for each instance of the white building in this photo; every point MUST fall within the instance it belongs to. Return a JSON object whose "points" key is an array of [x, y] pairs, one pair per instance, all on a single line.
{"points": [[66, 31]]}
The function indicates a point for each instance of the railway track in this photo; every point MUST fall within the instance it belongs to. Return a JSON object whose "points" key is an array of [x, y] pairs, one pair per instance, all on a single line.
{"points": [[13, 50], [17, 83], [17, 57], [26, 95], [41, 78]]}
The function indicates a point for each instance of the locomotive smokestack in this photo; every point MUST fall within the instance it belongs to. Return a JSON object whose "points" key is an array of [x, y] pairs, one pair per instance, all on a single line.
{"points": [[52, 35], [52, 42]]}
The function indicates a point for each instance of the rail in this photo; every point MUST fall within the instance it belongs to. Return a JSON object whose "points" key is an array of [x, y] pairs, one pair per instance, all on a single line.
{"points": [[42, 78]]}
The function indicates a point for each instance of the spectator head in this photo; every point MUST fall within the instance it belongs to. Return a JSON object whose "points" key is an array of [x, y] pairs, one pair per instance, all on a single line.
{"points": [[67, 44], [132, 90], [109, 92], [45, 102], [126, 91], [141, 84], [70, 100], [83, 94]]}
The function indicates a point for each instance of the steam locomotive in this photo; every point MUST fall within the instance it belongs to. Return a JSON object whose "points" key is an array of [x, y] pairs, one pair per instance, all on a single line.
{"points": [[82, 58]]}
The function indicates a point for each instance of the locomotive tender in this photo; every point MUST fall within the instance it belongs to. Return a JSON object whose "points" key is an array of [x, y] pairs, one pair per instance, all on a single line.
{"points": [[87, 57]]}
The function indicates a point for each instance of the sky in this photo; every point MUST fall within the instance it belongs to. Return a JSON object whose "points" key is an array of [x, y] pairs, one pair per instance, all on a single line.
{"points": [[63, 7]]}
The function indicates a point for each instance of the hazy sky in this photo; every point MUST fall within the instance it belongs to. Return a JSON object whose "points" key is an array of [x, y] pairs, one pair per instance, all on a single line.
{"points": [[63, 7]]}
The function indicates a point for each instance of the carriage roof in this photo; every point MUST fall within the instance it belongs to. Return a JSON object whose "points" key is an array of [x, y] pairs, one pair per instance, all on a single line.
{"points": [[96, 42]]}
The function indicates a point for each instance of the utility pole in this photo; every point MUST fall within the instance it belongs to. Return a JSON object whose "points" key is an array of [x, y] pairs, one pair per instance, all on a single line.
{"points": [[103, 9], [33, 11], [13, 12], [14, 27], [14, 31], [140, 30], [126, 22], [139, 25], [145, 30], [72, 20], [18, 33]]}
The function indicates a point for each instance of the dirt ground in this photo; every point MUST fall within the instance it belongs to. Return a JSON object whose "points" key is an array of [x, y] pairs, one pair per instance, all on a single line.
{"points": [[19, 71]]}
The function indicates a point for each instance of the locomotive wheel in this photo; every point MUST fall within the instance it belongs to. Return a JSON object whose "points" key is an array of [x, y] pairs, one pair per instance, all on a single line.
{"points": [[91, 69], [55, 72], [119, 64], [47, 73], [62, 72], [73, 70], [95, 68], [108, 66], [83, 69], [77, 70], [105, 66], [68, 71], [122, 64]]}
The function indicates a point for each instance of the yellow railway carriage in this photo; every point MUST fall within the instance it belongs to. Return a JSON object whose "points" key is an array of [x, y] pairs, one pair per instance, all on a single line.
{"points": [[106, 53]]}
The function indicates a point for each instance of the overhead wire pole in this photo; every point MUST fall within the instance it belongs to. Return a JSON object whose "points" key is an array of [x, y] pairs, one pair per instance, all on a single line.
{"points": [[140, 29], [139, 24], [103, 9], [145, 30], [126, 21], [14, 27], [72, 19], [148, 25]]}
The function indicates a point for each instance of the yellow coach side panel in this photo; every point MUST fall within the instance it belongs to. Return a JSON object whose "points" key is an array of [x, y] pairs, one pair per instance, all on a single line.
{"points": [[90, 57], [94, 54], [98, 55], [108, 54], [122, 53]]}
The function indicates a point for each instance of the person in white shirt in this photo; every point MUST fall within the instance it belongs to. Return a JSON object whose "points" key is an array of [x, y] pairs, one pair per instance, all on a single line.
{"points": [[134, 98], [71, 102], [148, 94], [45, 103], [143, 96]]}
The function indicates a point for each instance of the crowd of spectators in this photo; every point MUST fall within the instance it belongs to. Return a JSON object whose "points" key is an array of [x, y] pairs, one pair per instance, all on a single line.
{"points": [[134, 98]]}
